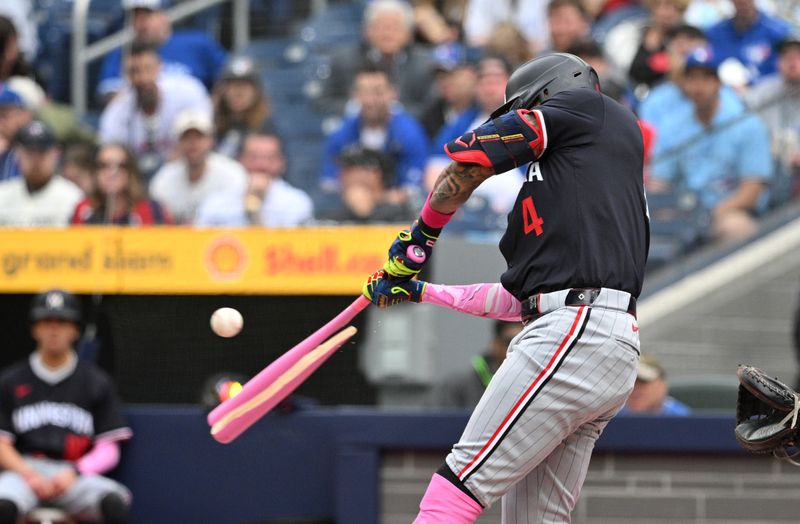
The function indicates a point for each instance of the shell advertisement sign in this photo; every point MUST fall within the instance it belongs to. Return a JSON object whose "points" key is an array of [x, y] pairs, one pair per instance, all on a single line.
{"points": [[182, 260]]}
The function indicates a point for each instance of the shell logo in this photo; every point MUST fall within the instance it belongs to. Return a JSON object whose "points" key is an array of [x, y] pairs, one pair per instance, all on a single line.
{"points": [[226, 258]]}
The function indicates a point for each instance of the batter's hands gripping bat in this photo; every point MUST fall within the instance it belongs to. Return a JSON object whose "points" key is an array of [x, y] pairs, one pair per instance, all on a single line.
{"points": [[279, 379]]}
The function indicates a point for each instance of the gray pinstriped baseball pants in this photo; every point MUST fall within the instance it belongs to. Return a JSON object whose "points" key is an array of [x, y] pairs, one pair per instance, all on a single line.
{"points": [[531, 436]]}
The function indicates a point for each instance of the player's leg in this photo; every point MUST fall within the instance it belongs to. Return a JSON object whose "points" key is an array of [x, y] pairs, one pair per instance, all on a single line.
{"points": [[447, 501], [548, 494], [96, 498], [502, 397], [565, 370], [16, 498]]}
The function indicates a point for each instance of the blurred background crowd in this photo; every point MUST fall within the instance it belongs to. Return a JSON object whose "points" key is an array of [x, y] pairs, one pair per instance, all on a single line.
{"points": [[338, 111]]}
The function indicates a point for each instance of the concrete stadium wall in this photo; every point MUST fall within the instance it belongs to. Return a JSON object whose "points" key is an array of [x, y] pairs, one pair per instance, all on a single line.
{"points": [[635, 489]]}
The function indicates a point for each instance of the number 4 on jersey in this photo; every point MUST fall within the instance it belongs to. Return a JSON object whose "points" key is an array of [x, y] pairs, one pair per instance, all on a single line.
{"points": [[530, 219]]}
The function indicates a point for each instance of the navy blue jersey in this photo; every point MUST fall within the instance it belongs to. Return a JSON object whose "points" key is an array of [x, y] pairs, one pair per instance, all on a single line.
{"points": [[580, 219], [62, 420]]}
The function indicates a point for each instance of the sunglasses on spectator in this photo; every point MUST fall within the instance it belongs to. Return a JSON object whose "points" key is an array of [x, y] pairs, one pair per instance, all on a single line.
{"points": [[111, 165]]}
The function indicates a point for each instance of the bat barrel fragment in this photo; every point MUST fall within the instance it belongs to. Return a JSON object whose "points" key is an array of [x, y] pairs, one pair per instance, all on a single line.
{"points": [[235, 420]]}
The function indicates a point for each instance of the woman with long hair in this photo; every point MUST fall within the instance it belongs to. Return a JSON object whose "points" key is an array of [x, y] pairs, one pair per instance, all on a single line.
{"points": [[240, 105], [118, 196]]}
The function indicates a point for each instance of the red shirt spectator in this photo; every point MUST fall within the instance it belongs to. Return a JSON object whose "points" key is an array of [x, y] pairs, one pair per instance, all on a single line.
{"points": [[118, 196]]}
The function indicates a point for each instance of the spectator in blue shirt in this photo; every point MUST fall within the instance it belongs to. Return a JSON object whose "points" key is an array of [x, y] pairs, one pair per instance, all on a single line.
{"points": [[662, 100], [650, 392], [13, 115], [383, 125], [453, 96], [749, 37], [495, 197], [186, 51], [718, 150]]}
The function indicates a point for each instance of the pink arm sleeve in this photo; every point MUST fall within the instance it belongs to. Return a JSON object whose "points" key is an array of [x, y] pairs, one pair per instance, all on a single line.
{"points": [[102, 458], [482, 300]]}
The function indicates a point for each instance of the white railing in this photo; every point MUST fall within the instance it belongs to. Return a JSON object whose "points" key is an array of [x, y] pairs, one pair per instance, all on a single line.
{"points": [[83, 54]]}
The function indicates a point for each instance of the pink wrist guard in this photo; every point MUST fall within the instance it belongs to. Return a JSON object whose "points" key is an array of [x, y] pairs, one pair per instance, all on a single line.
{"points": [[433, 218], [103, 457], [481, 300]]}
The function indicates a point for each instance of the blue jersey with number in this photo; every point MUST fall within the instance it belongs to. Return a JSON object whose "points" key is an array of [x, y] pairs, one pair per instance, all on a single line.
{"points": [[580, 219]]}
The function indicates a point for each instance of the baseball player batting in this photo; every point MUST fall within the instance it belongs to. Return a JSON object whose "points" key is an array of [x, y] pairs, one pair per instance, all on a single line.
{"points": [[60, 424], [576, 246]]}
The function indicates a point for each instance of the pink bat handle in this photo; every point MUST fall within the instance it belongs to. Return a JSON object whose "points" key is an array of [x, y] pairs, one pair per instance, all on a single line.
{"points": [[266, 376]]}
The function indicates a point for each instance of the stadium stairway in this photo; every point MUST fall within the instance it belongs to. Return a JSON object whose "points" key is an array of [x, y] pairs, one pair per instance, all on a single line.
{"points": [[293, 69], [728, 305]]}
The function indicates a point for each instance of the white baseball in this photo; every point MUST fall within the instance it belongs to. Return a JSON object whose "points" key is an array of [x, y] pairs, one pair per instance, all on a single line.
{"points": [[226, 322]]}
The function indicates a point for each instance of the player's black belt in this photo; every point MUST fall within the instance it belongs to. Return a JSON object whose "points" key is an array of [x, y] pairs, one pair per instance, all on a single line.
{"points": [[575, 297]]}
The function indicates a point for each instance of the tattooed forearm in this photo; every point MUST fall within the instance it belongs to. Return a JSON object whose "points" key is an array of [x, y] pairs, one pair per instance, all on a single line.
{"points": [[456, 184]]}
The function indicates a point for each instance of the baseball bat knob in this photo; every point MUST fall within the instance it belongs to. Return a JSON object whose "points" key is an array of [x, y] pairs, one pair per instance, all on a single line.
{"points": [[415, 254]]}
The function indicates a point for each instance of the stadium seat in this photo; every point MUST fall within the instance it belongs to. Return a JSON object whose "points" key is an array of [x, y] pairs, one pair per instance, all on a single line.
{"points": [[677, 225], [337, 25], [707, 392]]}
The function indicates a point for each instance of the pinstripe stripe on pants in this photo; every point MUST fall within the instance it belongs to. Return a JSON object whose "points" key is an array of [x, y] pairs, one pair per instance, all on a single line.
{"points": [[530, 438]]}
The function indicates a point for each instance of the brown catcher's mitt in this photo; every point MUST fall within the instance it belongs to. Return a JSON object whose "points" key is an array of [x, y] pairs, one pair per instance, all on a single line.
{"points": [[766, 414]]}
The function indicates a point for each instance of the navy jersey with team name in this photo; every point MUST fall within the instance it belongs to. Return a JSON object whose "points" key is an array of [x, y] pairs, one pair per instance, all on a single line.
{"points": [[580, 219], [62, 420]]}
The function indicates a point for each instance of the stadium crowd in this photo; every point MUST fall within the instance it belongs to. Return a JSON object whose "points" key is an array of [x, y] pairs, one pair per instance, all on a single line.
{"points": [[186, 131]]}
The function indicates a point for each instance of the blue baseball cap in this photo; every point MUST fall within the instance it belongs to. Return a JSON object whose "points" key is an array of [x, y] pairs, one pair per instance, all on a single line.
{"points": [[9, 97], [449, 57], [702, 58]]}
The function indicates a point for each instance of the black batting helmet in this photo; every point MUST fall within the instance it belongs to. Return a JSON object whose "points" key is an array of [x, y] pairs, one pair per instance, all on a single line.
{"points": [[538, 79], [56, 304]]}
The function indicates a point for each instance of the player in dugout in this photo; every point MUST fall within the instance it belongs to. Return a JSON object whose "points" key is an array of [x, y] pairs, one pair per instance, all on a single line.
{"points": [[60, 424], [576, 246]]}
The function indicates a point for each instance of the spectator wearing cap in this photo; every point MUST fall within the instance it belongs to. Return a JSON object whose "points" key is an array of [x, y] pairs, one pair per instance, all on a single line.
{"points": [[117, 195], [13, 115], [717, 150], [777, 101], [240, 104], [185, 52], [650, 392], [667, 98], [364, 176], [749, 38], [383, 125], [387, 45], [142, 117], [268, 200], [453, 98], [198, 172], [495, 197], [39, 197], [492, 72]]}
